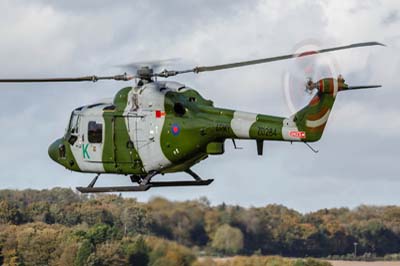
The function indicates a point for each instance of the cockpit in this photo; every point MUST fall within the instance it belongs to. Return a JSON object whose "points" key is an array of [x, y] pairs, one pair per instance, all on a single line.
{"points": [[73, 126], [71, 134]]}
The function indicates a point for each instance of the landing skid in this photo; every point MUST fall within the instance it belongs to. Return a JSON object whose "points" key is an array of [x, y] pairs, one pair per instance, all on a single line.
{"points": [[146, 184]]}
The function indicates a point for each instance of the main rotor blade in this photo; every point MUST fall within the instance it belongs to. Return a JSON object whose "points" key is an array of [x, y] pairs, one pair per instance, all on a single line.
{"points": [[123, 77], [272, 59]]}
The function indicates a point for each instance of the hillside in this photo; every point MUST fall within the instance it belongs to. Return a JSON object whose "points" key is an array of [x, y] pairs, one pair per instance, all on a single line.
{"points": [[61, 227]]}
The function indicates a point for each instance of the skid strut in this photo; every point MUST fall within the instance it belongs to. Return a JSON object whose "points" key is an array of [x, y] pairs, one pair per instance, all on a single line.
{"points": [[145, 184]]}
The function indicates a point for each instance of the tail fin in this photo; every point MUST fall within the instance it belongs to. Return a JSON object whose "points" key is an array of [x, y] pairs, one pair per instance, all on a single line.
{"points": [[312, 119], [309, 123]]}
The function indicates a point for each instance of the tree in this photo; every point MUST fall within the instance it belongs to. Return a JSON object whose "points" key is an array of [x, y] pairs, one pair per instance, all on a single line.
{"points": [[40, 212], [228, 239], [107, 254], [135, 220], [138, 253], [84, 252], [93, 213], [38, 244], [165, 253], [69, 249], [9, 214], [100, 233]]}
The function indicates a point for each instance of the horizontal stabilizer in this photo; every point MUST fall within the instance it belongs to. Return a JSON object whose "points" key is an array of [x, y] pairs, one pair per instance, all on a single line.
{"points": [[364, 87]]}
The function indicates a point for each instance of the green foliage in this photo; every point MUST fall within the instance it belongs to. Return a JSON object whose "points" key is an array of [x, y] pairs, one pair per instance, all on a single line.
{"points": [[31, 244], [100, 233], [84, 252], [107, 254], [169, 253], [137, 252], [135, 220], [60, 227], [94, 213], [9, 213], [228, 240]]}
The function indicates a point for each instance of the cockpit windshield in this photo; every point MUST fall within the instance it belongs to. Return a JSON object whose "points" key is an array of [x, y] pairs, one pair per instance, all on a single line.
{"points": [[73, 127]]}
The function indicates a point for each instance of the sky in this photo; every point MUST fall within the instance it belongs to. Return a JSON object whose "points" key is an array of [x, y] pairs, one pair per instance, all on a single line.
{"points": [[358, 159]]}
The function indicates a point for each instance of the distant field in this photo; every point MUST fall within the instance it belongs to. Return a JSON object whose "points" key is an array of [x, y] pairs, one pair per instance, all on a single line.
{"points": [[363, 263]]}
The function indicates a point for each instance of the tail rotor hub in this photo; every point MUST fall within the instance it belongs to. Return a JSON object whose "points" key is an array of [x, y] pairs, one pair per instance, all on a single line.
{"points": [[310, 86]]}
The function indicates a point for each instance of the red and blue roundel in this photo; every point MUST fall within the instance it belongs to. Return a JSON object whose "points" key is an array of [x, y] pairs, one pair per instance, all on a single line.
{"points": [[175, 129]]}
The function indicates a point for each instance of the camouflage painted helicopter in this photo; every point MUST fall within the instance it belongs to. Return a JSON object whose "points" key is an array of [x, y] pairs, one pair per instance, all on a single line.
{"points": [[157, 127]]}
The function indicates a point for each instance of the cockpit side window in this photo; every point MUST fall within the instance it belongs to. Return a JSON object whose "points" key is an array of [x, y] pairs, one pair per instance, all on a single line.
{"points": [[73, 128], [95, 132]]}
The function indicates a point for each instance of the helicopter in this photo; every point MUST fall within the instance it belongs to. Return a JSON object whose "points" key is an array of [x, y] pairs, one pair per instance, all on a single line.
{"points": [[159, 126]]}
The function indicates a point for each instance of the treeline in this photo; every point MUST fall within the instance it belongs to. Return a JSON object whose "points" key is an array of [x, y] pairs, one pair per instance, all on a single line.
{"points": [[217, 230], [37, 244]]}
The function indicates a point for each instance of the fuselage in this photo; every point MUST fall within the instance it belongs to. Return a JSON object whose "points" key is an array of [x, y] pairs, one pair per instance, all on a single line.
{"points": [[160, 126]]}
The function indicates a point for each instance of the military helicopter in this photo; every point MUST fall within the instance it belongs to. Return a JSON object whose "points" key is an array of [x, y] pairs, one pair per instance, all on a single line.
{"points": [[156, 127]]}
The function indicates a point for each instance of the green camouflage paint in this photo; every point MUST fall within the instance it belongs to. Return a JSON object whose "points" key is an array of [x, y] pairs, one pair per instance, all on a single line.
{"points": [[192, 128]]}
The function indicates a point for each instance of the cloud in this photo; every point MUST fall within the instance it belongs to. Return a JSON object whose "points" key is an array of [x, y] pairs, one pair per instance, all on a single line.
{"points": [[392, 17], [358, 150]]}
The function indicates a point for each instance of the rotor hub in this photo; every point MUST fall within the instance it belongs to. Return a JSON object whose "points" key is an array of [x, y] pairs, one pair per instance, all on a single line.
{"points": [[145, 73]]}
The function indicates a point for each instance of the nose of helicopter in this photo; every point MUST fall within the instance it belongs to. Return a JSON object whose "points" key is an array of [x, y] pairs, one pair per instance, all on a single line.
{"points": [[54, 150]]}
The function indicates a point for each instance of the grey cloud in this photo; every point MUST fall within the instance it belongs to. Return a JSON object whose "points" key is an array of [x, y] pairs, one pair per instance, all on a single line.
{"points": [[364, 5], [391, 18], [47, 38]]}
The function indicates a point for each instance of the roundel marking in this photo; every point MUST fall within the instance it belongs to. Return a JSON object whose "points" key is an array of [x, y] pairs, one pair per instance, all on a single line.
{"points": [[175, 129]]}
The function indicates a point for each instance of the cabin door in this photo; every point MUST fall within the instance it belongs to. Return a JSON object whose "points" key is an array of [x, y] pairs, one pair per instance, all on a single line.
{"points": [[92, 138]]}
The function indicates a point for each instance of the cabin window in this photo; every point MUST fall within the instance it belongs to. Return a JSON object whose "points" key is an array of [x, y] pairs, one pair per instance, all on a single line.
{"points": [[95, 132]]}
